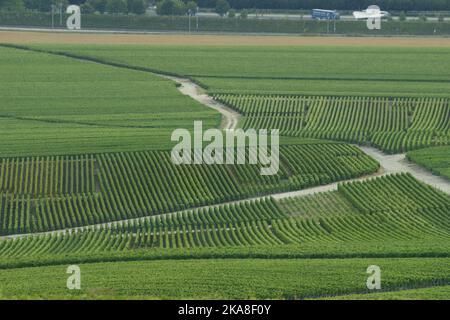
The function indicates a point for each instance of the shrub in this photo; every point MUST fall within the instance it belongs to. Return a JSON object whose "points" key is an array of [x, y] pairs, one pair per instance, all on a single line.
{"points": [[136, 6], [244, 14], [191, 7], [423, 17]]}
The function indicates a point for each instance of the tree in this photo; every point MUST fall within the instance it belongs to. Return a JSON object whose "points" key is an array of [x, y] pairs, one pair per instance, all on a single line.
{"points": [[171, 8], [87, 7], [222, 7], [231, 13], [11, 5], [244, 14], [136, 6], [441, 17], [98, 5], [402, 16], [423, 17], [116, 6], [39, 5], [191, 7]]}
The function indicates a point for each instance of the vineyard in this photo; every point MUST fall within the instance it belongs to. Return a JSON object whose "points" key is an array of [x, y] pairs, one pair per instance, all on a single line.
{"points": [[391, 124], [421, 215], [224, 278], [289, 69], [53, 193], [96, 109], [436, 159], [86, 175]]}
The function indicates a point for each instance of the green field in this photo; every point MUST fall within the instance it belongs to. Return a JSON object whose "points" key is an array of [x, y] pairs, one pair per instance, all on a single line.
{"points": [[303, 70], [226, 279], [391, 124], [48, 193], [435, 159], [336, 88], [54, 105], [434, 293], [86, 176]]}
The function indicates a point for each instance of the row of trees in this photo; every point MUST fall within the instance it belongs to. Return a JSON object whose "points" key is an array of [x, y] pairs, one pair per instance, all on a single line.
{"points": [[163, 7], [398, 5], [179, 7], [114, 6], [89, 6]]}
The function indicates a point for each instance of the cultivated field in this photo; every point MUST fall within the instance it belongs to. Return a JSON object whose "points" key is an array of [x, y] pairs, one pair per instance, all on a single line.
{"points": [[86, 176]]}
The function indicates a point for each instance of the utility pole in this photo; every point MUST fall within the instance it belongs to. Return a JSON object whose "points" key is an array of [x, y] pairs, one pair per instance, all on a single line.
{"points": [[196, 17], [53, 19], [189, 15], [60, 13]]}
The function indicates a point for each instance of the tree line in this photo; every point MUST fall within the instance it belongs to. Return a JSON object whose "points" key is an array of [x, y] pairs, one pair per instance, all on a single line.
{"points": [[222, 7], [400, 5], [88, 6]]}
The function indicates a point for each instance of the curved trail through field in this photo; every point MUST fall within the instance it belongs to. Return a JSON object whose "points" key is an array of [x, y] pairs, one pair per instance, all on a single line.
{"points": [[389, 163], [230, 117], [398, 163]]}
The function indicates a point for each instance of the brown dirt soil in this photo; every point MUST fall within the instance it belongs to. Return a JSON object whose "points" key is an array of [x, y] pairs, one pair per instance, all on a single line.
{"points": [[25, 37]]}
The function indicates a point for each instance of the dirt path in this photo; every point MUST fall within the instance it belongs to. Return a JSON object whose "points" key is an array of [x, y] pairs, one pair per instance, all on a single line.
{"points": [[398, 163], [389, 163], [230, 117], [61, 36]]}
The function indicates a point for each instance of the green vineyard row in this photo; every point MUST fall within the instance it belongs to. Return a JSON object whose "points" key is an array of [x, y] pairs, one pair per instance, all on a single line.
{"points": [[265, 222], [391, 124], [52, 193]]}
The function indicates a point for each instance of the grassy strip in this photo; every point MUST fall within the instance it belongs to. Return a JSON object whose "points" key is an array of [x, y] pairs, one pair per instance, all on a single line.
{"points": [[436, 159], [398, 249], [430, 293], [227, 279], [103, 61]]}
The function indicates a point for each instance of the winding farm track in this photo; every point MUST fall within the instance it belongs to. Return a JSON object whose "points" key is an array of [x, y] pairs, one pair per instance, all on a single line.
{"points": [[389, 163], [230, 117]]}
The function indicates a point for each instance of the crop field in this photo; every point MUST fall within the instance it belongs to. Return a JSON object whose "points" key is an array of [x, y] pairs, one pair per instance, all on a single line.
{"points": [[87, 176], [306, 70], [53, 105], [416, 212], [391, 124], [435, 159], [51, 193], [227, 279]]}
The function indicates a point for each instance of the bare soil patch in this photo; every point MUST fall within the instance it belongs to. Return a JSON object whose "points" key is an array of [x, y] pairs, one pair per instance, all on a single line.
{"points": [[29, 37]]}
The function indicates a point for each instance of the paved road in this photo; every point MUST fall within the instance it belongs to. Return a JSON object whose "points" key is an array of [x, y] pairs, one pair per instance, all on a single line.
{"points": [[299, 17]]}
